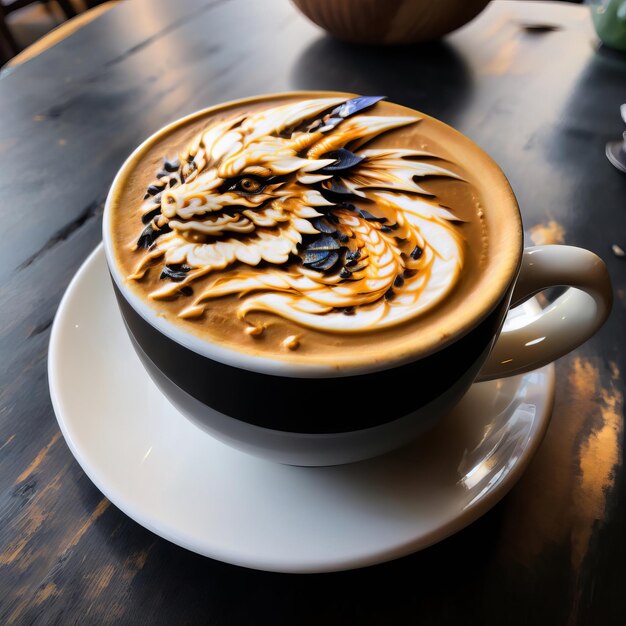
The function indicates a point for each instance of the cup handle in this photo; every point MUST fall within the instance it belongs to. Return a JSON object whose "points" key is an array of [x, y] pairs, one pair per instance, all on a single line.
{"points": [[527, 343]]}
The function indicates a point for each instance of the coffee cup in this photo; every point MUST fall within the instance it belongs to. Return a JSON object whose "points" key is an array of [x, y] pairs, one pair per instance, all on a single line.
{"points": [[609, 20], [316, 277]]}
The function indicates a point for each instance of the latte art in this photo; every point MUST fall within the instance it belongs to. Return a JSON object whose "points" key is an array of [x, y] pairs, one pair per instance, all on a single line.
{"points": [[288, 208]]}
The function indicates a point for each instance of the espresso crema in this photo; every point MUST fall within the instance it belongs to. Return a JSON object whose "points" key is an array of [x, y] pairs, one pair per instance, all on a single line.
{"points": [[309, 228]]}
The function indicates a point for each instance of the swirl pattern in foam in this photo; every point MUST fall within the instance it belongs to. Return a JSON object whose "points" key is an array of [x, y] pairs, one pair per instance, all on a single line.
{"points": [[287, 207]]}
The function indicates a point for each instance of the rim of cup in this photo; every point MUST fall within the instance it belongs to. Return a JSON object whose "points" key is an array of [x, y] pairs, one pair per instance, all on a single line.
{"points": [[475, 312]]}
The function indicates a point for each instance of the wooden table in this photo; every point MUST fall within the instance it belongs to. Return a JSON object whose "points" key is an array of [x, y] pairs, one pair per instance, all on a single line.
{"points": [[542, 101]]}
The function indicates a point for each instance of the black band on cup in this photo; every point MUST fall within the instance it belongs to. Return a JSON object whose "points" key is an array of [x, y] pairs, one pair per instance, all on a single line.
{"points": [[311, 405]]}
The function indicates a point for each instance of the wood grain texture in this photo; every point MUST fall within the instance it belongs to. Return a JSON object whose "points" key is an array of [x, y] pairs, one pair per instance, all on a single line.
{"points": [[390, 21], [542, 101]]}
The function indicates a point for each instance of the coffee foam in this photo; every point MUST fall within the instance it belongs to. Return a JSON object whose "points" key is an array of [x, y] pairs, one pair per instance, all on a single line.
{"points": [[338, 240], [476, 193]]}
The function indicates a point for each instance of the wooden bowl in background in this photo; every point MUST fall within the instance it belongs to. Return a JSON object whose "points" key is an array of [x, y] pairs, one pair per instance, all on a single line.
{"points": [[390, 21]]}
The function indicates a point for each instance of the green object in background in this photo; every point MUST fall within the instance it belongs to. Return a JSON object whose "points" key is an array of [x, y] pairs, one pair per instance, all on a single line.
{"points": [[609, 19]]}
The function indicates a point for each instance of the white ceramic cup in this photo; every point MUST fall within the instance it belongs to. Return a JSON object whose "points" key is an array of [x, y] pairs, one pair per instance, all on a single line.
{"points": [[269, 408]]}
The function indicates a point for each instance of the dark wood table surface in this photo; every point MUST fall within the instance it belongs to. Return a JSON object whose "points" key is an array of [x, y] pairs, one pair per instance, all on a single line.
{"points": [[542, 101]]}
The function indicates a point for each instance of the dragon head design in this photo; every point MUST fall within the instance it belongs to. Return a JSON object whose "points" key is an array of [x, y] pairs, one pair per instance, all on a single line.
{"points": [[287, 207]]}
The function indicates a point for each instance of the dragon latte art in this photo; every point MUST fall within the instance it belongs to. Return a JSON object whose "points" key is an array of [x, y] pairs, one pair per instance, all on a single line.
{"points": [[288, 208]]}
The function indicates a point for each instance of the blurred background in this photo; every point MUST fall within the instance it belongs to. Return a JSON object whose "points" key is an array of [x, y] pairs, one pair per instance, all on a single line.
{"points": [[27, 27], [27, 22]]}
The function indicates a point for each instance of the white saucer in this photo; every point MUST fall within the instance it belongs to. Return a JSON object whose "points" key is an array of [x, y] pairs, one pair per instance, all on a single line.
{"points": [[177, 481]]}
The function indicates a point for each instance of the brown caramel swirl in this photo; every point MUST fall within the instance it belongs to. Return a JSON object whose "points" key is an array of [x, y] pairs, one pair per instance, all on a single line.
{"points": [[285, 208]]}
